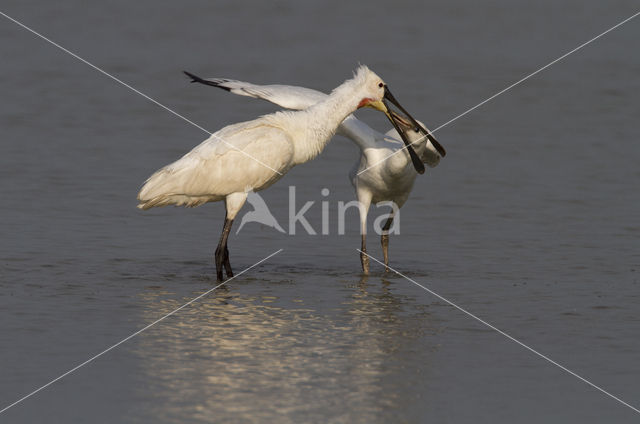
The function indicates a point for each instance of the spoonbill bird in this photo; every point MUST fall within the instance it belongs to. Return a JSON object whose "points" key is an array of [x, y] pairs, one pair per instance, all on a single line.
{"points": [[252, 155], [374, 178]]}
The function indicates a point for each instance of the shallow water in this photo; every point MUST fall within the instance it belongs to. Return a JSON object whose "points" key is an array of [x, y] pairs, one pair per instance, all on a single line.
{"points": [[530, 222]]}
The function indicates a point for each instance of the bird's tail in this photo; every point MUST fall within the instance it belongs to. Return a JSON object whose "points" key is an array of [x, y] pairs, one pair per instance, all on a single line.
{"points": [[165, 187]]}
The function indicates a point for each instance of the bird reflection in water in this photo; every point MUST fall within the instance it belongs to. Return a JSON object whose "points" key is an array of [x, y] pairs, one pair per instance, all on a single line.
{"points": [[237, 357]]}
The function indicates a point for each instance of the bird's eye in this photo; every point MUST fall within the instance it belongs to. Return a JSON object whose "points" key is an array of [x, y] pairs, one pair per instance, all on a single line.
{"points": [[416, 129], [381, 85]]}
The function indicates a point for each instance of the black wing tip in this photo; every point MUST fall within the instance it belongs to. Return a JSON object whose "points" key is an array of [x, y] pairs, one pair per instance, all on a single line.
{"points": [[221, 86], [195, 78]]}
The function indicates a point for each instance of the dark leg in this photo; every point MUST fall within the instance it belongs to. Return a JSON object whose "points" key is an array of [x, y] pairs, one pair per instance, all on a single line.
{"points": [[364, 259], [384, 240], [222, 253], [364, 200], [227, 264]]}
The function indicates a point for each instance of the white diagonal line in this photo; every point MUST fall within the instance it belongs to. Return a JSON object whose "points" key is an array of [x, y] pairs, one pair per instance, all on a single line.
{"points": [[546, 358], [136, 333], [102, 71], [511, 86]]}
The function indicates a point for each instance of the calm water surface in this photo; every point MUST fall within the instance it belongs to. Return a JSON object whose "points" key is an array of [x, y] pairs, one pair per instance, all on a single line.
{"points": [[531, 221]]}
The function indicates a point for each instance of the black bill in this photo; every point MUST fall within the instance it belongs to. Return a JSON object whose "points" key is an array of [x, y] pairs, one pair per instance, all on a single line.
{"points": [[388, 96]]}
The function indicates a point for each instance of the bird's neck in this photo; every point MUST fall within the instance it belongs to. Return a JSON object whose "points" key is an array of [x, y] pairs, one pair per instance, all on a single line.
{"points": [[361, 134], [323, 120]]}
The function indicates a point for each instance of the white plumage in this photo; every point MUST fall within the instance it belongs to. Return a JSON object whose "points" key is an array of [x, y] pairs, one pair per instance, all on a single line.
{"points": [[251, 156], [224, 164], [389, 180]]}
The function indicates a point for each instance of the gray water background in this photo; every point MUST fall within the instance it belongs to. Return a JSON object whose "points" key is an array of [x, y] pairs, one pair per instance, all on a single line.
{"points": [[530, 222]]}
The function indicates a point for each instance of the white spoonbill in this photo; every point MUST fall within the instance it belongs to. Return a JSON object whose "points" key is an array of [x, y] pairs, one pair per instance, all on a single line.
{"points": [[251, 156], [388, 180]]}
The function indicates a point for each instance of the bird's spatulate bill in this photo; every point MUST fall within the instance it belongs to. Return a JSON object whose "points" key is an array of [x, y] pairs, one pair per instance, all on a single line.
{"points": [[388, 96], [396, 120]]}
